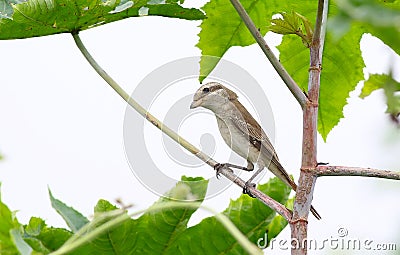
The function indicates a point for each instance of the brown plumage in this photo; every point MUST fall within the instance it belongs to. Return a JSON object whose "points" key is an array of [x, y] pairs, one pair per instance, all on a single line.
{"points": [[241, 131]]}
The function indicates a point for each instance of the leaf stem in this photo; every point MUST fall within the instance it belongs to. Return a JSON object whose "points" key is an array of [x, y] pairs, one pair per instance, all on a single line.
{"points": [[225, 171], [287, 79]]}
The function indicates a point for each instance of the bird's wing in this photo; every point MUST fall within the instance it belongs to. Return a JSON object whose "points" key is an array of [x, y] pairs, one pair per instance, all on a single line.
{"points": [[249, 126], [258, 138]]}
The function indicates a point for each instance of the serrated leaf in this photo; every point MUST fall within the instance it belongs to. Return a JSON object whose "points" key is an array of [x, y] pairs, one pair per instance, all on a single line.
{"points": [[223, 29], [293, 23], [35, 226], [120, 239], [47, 17], [151, 233], [380, 18], [250, 215], [43, 239], [74, 219], [342, 66], [104, 206], [219, 33], [161, 228], [8, 224], [288, 24]]}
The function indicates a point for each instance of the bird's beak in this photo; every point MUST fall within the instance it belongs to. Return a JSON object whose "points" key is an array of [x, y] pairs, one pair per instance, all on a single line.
{"points": [[195, 104]]}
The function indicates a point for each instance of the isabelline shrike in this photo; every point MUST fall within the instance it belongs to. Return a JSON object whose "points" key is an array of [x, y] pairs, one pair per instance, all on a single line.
{"points": [[241, 133]]}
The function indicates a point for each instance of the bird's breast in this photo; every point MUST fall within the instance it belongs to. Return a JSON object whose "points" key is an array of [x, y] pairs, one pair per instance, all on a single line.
{"points": [[237, 140]]}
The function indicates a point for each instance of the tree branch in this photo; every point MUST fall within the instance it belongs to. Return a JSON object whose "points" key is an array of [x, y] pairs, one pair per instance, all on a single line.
{"points": [[355, 171], [225, 171], [307, 179], [287, 79]]}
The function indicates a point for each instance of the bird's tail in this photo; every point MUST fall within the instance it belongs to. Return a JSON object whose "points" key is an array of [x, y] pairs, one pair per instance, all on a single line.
{"points": [[284, 176]]}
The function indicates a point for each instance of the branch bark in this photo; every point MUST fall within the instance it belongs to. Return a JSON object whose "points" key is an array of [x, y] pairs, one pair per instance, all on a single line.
{"points": [[307, 179], [355, 171], [287, 79]]}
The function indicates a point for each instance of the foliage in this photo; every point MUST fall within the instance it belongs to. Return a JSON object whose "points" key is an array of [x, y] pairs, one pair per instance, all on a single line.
{"points": [[223, 29], [342, 61], [293, 23], [156, 231], [391, 88], [165, 230], [47, 17]]}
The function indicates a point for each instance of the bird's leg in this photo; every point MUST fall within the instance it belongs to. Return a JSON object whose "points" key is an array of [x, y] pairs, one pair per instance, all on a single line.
{"points": [[219, 166], [249, 183]]}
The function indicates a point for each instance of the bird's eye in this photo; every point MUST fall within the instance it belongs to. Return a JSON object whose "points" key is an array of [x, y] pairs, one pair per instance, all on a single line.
{"points": [[206, 90]]}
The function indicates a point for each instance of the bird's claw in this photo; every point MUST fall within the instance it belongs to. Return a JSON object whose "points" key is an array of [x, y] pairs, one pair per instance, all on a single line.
{"points": [[218, 168], [246, 189]]}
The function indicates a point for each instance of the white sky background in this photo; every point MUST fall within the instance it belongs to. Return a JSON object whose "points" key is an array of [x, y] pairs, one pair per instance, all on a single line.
{"points": [[61, 127]]}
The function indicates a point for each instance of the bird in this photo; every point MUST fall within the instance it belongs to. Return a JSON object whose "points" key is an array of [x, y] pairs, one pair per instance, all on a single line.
{"points": [[242, 133]]}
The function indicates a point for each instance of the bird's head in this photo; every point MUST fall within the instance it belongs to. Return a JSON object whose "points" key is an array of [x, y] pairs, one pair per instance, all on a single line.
{"points": [[212, 96]]}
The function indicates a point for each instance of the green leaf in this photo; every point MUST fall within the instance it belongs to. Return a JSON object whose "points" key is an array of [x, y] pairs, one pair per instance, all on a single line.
{"points": [[374, 82], [47, 17], [278, 223], [223, 29], [74, 219], [35, 226], [293, 23], [342, 66], [158, 230], [104, 206], [121, 239], [250, 215], [380, 18], [9, 231], [154, 231], [391, 88], [43, 239]]}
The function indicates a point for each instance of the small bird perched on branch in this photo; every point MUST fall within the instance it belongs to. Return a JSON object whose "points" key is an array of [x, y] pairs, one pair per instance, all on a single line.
{"points": [[242, 134]]}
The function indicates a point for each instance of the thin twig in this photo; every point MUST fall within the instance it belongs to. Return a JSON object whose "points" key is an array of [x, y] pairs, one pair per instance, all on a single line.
{"points": [[227, 172], [355, 171], [287, 79]]}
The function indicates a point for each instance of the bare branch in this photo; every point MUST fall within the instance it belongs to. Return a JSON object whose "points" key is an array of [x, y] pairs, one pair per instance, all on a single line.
{"points": [[307, 180], [355, 171], [225, 171], [287, 79]]}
